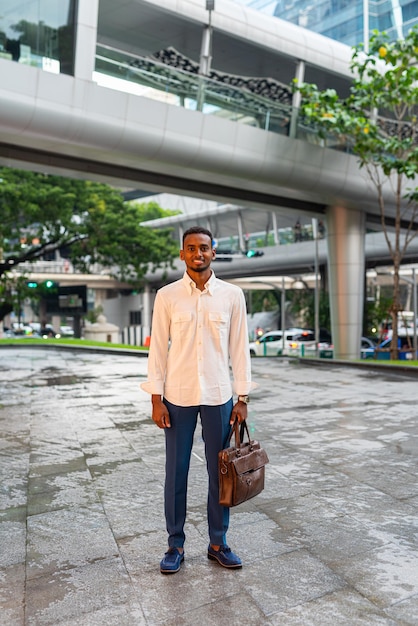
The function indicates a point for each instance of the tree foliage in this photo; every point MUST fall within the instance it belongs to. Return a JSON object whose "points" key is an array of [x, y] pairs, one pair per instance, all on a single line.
{"points": [[378, 122], [88, 222]]}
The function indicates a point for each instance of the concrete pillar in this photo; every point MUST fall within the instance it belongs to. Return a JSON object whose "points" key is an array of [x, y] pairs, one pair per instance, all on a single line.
{"points": [[240, 226], [346, 267], [86, 37], [56, 323], [100, 296], [146, 311], [275, 229], [300, 77]]}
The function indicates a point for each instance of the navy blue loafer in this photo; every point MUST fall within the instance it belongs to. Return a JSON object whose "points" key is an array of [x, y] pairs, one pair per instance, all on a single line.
{"points": [[172, 561], [225, 557]]}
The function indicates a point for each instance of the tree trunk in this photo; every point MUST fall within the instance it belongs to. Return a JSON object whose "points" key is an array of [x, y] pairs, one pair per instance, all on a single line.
{"points": [[395, 309], [5, 309]]}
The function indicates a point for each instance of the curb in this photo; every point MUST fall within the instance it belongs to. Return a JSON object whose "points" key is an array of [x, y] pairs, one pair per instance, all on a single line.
{"points": [[369, 364], [66, 346]]}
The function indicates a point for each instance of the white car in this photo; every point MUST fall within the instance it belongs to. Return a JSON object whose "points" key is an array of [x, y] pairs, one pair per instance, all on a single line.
{"points": [[367, 349], [271, 343], [66, 331]]}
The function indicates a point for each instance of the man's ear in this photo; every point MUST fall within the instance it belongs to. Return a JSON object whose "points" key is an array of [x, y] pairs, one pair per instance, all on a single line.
{"points": [[181, 255]]}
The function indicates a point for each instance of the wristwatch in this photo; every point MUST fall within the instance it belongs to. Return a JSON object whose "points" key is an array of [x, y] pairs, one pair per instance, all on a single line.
{"points": [[245, 399]]}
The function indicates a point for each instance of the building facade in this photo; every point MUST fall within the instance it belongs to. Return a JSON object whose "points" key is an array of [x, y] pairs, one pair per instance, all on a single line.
{"points": [[41, 33], [347, 21]]}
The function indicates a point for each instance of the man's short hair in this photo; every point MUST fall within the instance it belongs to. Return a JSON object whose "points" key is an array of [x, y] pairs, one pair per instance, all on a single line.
{"points": [[197, 230]]}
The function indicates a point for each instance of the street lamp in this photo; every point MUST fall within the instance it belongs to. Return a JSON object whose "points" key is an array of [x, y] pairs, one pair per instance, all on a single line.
{"points": [[205, 55], [315, 235], [282, 304]]}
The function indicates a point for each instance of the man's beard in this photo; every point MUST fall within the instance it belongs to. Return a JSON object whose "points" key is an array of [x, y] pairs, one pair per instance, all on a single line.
{"points": [[200, 268]]}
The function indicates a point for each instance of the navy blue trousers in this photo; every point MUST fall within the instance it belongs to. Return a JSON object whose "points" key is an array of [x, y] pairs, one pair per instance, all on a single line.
{"points": [[178, 445]]}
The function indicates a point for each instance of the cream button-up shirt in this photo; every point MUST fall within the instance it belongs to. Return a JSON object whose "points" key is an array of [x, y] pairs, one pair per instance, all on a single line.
{"points": [[197, 337]]}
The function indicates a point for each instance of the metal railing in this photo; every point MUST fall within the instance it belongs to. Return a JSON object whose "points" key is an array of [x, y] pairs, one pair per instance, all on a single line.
{"points": [[192, 91], [212, 97]]}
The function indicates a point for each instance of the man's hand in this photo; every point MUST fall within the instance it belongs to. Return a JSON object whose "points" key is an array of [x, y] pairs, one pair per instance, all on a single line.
{"points": [[160, 413], [239, 411]]}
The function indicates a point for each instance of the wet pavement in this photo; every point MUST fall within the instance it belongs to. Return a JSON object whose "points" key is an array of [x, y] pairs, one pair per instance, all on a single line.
{"points": [[332, 540]]}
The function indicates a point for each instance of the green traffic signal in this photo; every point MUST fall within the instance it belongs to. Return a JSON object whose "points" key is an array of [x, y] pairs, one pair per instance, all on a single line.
{"points": [[49, 284], [252, 253], [32, 284]]}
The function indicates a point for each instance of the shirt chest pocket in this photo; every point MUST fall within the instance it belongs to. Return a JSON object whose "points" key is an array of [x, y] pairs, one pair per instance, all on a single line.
{"points": [[182, 323], [218, 323]]}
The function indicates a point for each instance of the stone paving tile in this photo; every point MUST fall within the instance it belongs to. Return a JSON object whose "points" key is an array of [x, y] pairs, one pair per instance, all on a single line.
{"points": [[386, 575], [128, 614], [67, 538], [406, 611], [12, 594], [63, 595], [291, 579], [239, 608], [331, 540], [200, 583], [14, 467], [12, 542], [340, 608], [56, 491]]}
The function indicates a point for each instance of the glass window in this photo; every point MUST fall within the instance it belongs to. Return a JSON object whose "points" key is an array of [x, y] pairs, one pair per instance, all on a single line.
{"points": [[39, 33], [410, 11]]}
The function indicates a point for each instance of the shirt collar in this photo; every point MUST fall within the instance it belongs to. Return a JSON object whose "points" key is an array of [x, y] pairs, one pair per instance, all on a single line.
{"points": [[190, 284]]}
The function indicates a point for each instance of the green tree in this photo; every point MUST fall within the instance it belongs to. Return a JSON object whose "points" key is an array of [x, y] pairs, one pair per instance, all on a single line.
{"points": [[378, 121], [87, 221], [375, 314], [302, 303]]}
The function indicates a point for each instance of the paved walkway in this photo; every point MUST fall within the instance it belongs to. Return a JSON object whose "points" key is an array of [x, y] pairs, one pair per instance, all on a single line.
{"points": [[332, 541]]}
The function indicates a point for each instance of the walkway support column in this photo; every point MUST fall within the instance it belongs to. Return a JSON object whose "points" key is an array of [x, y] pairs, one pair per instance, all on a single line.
{"points": [[346, 267]]}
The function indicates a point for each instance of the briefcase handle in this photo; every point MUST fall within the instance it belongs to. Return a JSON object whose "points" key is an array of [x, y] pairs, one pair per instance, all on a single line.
{"points": [[239, 433]]}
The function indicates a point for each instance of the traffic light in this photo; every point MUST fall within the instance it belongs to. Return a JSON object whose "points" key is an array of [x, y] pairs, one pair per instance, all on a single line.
{"points": [[49, 284], [252, 253], [32, 284]]}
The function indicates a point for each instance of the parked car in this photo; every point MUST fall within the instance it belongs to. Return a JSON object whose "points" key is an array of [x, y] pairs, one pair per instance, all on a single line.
{"points": [[271, 343], [382, 351], [367, 348], [66, 331]]}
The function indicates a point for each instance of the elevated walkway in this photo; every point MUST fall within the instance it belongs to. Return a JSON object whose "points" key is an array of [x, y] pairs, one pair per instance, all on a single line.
{"points": [[222, 152]]}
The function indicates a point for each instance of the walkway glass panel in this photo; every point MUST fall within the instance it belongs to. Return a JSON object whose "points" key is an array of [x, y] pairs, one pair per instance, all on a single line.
{"points": [[118, 69], [160, 81]]}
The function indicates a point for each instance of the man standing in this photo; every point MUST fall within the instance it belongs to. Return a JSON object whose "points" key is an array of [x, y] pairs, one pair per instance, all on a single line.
{"points": [[199, 329]]}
